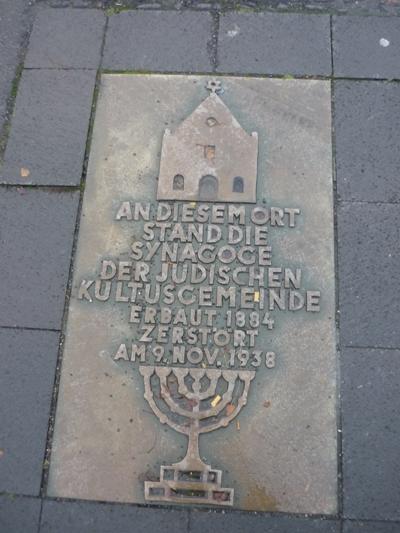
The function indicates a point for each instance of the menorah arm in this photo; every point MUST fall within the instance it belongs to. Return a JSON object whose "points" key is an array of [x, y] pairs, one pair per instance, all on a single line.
{"points": [[149, 396], [180, 373], [182, 388], [241, 402], [195, 415]]}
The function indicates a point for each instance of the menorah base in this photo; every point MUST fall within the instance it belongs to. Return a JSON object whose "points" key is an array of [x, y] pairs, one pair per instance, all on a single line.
{"points": [[182, 486]]}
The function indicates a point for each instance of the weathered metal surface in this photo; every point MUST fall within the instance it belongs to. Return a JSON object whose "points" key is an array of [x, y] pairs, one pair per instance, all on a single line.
{"points": [[202, 306]]}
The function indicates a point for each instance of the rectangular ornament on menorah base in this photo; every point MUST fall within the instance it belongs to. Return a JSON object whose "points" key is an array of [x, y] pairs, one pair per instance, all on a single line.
{"points": [[199, 364]]}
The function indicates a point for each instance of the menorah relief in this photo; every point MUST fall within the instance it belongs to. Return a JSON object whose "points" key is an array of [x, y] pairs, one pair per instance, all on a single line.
{"points": [[193, 401]]}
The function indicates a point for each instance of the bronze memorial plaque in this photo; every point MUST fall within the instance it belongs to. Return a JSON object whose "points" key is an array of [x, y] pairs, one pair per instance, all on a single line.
{"points": [[199, 364]]}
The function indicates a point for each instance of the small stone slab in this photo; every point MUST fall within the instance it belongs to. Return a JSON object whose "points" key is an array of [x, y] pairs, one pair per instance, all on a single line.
{"points": [[168, 41], [367, 117], [369, 301], [366, 47], [371, 434], [201, 522], [111, 441], [47, 141], [27, 367], [37, 229], [19, 514], [81, 517], [66, 38], [274, 43]]}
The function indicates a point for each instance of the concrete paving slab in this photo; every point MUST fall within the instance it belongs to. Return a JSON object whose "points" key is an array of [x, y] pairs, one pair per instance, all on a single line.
{"points": [[82, 517], [366, 47], [66, 38], [47, 141], [371, 433], [369, 298], [37, 230], [169, 41], [19, 514], [367, 115], [274, 43], [27, 368]]}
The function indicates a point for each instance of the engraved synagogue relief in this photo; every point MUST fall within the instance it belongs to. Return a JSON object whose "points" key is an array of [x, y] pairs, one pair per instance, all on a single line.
{"points": [[209, 157]]}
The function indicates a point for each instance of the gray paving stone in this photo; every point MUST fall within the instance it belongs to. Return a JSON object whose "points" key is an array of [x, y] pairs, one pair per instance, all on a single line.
{"points": [[369, 255], [19, 514], [27, 367], [36, 233], [216, 522], [158, 40], [49, 128], [85, 517], [371, 433], [366, 47], [66, 38], [371, 527], [367, 115], [274, 43]]}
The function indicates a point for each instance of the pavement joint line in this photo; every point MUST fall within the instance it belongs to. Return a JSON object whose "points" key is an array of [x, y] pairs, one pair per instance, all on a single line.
{"points": [[26, 328], [248, 75], [40, 516], [372, 202], [331, 48], [48, 188], [81, 187], [163, 72], [5, 130], [357, 347], [339, 433], [372, 520], [86, 69], [237, 8], [197, 509], [214, 40], [169, 507], [16, 495]]}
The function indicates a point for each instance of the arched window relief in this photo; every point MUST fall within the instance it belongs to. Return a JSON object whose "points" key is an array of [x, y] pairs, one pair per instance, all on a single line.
{"points": [[238, 184], [208, 188], [178, 183]]}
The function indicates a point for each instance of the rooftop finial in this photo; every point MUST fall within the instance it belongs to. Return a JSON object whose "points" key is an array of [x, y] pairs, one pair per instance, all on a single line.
{"points": [[214, 86]]}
